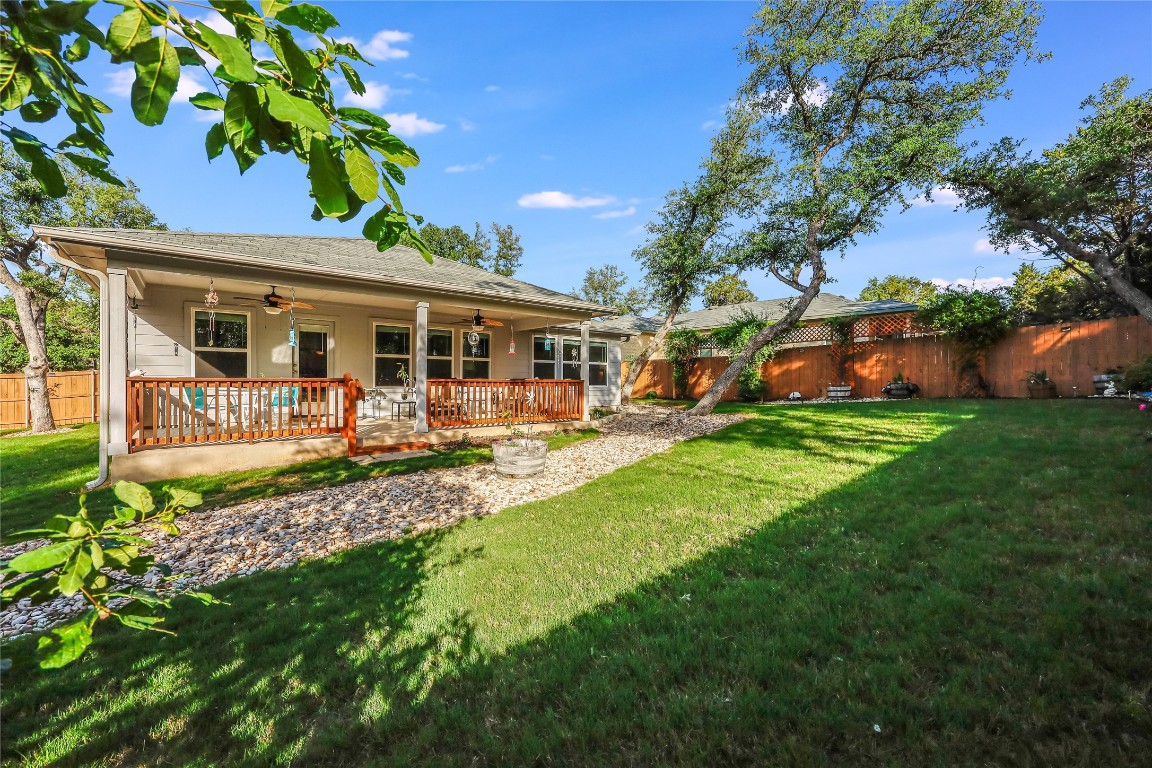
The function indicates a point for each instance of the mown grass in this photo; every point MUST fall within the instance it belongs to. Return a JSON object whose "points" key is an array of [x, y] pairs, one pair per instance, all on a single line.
{"points": [[43, 475], [881, 583]]}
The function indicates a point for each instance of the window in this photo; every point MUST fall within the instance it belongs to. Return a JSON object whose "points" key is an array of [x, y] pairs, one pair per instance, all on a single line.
{"points": [[220, 350], [439, 354], [543, 360], [597, 361], [475, 365], [392, 349]]}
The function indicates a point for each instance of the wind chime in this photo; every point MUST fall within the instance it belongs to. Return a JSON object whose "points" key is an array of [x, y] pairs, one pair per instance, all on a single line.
{"points": [[292, 335], [474, 342], [211, 299], [548, 337], [512, 339]]}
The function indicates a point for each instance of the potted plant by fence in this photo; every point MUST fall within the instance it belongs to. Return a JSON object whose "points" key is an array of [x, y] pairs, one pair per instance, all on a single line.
{"points": [[520, 454], [898, 389], [1040, 386]]}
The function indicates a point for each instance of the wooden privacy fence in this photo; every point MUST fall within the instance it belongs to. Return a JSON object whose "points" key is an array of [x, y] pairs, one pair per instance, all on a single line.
{"points": [[1070, 353], [74, 396]]}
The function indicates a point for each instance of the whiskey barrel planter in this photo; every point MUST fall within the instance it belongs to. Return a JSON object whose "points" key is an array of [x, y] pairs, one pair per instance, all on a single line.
{"points": [[520, 457], [840, 392], [1042, 391], [900, 390]]}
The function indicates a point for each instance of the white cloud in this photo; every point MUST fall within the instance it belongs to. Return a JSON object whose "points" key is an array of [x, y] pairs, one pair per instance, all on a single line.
{"points": [[616, 214], [709, 125], [410, 124], [940, 196], [467, 126], [380, 47], [491, 88], [553, 199], [471, 167], [120, 82], [216, 22], [982, 283], [375, 96], [816, 96], [413, 76]]}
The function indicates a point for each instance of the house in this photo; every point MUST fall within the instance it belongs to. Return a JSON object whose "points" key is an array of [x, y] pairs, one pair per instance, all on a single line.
{"points": [[228, 351], [867, 316]]}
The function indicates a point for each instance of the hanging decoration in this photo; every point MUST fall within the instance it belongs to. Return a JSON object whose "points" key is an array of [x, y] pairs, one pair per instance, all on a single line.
{"points": [[548, 337], [474, 342], [211, 299], [512, 341], [292, 321]]}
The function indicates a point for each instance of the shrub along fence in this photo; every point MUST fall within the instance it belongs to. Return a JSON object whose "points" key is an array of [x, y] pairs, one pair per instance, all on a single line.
{"points": [[74, 396], [1070, 353]]}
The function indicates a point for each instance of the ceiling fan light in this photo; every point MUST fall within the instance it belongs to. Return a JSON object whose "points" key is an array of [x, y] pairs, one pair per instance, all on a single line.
{"points": [[272, 309]]}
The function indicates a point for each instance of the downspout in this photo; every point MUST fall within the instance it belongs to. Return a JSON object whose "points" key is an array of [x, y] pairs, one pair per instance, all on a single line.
{"points": [[105, 384]]}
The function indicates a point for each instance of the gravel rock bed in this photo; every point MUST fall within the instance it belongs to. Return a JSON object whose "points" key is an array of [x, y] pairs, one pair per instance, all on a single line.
{"points": [[275, 533]]}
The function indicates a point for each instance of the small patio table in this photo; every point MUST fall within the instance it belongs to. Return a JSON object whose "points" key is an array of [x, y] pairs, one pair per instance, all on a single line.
{"points": [[399, 407]]}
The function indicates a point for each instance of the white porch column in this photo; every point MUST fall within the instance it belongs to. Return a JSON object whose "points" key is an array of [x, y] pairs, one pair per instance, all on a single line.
{"points": [[117, 393], [584, 326], [421, 366]]}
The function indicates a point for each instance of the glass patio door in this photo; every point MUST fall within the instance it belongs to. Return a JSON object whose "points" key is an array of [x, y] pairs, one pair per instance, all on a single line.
{"points": [[314, 350]]}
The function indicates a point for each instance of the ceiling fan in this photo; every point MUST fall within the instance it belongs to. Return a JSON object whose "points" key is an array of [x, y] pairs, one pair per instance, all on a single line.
{"points": [[274, 303], [478, 321]]}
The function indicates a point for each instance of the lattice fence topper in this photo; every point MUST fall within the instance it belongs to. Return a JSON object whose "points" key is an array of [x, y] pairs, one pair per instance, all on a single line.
{"points": [[865, 330]]}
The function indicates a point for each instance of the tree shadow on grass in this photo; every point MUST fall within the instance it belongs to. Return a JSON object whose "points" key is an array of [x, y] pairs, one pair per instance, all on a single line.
{"points": [[898, 619]]}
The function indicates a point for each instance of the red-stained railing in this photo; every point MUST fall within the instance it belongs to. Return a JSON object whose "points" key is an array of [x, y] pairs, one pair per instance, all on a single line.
{"points": [[183, 411], [468, 402]]}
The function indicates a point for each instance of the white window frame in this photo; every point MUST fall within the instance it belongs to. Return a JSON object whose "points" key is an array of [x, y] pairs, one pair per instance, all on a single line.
{"points": [[407, 359], [605, 364], [464, 359], [248, 351], [451, 349], [555, 355]]}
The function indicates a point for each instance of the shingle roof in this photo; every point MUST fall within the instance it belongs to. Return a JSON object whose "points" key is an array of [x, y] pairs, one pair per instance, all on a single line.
{"points": [[346, 257], [824, 306]]}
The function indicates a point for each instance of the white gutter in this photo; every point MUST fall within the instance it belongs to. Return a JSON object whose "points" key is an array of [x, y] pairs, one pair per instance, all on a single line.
{"points": [[105, 384]]}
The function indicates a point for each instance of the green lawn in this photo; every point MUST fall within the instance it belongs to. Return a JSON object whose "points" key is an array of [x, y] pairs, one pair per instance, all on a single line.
{"points": [[43, 475], [911, 583]]}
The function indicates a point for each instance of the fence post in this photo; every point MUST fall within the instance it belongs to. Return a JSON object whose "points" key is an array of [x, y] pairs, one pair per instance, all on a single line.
{"points": [[350, 387]]}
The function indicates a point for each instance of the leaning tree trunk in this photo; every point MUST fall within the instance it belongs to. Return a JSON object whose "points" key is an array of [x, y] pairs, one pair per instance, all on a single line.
{"points": [[769, 334], [642, 359], [31, 314]]}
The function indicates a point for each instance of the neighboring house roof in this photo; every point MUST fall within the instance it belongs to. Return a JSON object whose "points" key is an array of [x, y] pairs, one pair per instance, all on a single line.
{"points": [[824, 306], [344, 257]]}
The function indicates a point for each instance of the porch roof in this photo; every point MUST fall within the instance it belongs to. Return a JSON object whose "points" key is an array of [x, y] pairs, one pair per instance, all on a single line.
{"points": [[354, 259]]}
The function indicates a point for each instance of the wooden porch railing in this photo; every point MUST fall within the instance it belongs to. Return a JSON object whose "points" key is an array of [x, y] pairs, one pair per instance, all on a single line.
{"points": [[182, 411], [466, 402]]}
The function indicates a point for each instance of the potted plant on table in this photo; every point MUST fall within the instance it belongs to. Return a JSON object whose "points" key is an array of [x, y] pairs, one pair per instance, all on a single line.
{"points": [[407, 382], [899, 389], [1040, 386], [520, 454]]}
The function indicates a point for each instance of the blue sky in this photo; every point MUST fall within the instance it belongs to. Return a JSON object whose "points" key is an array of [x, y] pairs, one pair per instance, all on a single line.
{"points": [[570, 121]]}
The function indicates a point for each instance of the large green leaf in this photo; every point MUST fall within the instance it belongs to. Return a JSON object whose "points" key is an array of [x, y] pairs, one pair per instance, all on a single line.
{"points": [[215, 140], [234, 56], [310, 18], [134, 495], [15, 83], [355, 84], [39, 111], [94, 167], [364, 117], [79, 49], [241, 112], [157, 75], [63, 17], [272, 7], [391, 147], [206, 100], [302, 70], [65, 644], [47, 172], [184, 499], [44, 557], [127, 30], [293, 109], [327, 182], [362, 173]]}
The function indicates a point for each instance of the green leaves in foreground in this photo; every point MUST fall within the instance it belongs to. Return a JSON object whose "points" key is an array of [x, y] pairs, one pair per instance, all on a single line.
{"points": [[98, 561], [283, 104]]}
